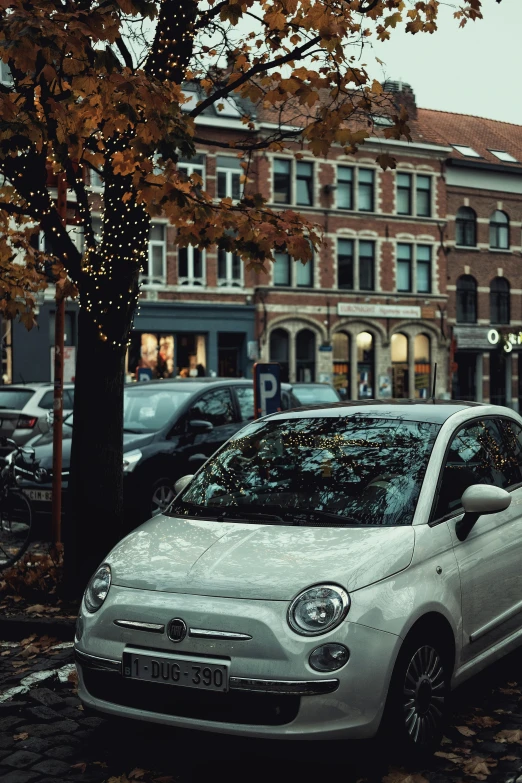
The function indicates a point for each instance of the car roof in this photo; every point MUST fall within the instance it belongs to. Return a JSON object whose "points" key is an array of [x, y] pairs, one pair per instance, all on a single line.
{"points": [[194, 384], [433, 411], [311, 383], [35, 386]]}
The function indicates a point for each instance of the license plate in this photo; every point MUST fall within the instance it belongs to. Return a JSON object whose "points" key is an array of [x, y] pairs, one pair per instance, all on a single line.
{"points": [[172, 670], [39, 494]]}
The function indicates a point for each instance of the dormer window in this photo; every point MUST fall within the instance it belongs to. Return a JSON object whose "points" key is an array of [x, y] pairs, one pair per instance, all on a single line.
{"points": [[505, 157], [469, 152]]}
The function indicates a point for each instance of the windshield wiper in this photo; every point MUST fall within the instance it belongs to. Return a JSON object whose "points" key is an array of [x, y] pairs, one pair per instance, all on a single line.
{"points": [[316, 517], [134, 432], [269, 514]]}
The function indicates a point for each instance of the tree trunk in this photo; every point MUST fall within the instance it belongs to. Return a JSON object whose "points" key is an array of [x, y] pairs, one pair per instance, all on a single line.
{"points": [[94, 513]]}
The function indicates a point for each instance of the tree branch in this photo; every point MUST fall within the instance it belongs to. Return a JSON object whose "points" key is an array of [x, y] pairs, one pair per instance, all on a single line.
{"points": [[260, 145], [127, 57], [13, 209]]}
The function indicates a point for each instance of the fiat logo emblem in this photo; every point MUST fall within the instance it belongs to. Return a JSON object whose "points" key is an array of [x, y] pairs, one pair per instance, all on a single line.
{"points": [[177, 630], [40, 474]]}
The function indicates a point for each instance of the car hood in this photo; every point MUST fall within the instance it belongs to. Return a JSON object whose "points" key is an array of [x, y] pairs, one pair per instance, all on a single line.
{"points": [[43, 446], [237, 560]]}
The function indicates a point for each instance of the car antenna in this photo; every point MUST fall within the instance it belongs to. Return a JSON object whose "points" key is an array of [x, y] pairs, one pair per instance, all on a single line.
{"points": [[434, 382]]}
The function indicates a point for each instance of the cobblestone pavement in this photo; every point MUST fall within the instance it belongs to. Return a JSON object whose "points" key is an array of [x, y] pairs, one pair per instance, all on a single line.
{"points": [[45, 736]]}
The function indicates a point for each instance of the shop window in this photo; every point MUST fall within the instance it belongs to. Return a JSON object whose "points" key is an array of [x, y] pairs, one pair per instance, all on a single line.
{"points": [[499, 296], [190, 266], [282, 184], [365, 190], [399, 357], [230, 354], [155, 352], [279, 352], [156, 272], [421, 349], [344, 187], [423, 195], [499, 231], [292, 274], [466, 300], [304, 183], [341, 363], [466, 227], [305, 356], [191, 355], [365, 365], [404, 194], [228, 175], [230, 269]]}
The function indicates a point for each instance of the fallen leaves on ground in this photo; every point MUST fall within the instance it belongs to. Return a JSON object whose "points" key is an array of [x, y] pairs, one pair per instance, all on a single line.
{"points": [[82, 766], [478, 767], [465, 731], [509, 736], [484, 721], [22, 736], [401, 776]]}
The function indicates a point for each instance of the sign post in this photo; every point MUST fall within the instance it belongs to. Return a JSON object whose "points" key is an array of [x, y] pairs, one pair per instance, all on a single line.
{"points": [[267, 388]]}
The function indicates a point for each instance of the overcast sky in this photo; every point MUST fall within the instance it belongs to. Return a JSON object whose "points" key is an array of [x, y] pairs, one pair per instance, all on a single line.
{"points": [[474, 70]]}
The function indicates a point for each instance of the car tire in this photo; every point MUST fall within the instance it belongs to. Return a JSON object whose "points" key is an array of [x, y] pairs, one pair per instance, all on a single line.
{"points": [[162, 494], [416, 707]]}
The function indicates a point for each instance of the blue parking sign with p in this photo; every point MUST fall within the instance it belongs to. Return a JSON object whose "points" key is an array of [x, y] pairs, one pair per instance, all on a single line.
{"points": [[267, 388]]}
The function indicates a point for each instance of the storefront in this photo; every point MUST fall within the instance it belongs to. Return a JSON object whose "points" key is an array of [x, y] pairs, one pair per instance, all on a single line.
{"points": [[485, 365]]}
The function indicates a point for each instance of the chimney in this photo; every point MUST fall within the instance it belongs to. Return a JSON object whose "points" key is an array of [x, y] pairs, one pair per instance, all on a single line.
{"points": [[402, 95]]}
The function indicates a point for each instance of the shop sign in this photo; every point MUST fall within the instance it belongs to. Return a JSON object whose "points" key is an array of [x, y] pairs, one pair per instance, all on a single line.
{"points": [[474, 337], [378, 310], [510, 340]]}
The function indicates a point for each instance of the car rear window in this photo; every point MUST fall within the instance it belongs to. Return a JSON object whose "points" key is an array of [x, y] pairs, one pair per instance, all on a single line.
{"points": [[307, 395], [14, 399]]}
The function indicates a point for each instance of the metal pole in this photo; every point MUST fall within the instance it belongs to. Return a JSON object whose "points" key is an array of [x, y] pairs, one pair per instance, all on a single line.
{"points": [[59, 328]]}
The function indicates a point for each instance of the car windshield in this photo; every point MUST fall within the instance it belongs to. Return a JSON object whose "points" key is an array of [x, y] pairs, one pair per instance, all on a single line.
{"points": [[346, 470], [15, 399], [311, 394], [148, 409]]}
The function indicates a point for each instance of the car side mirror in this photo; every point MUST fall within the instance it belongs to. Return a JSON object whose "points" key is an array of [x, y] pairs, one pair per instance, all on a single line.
{"points": [[197, 460], [478, 500], [182, 482], [200, 425]]}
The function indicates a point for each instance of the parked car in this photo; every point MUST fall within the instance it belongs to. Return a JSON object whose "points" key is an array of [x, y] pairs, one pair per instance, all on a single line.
{"points": [[25, 410], [169, 425], [315, 393], [327, 573]]}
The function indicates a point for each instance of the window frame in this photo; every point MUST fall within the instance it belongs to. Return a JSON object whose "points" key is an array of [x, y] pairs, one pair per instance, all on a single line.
{"points": [[356, 262], [355, 187], [148, 279], [413, 190], [292, 276], [464, 224], [190, 280], [229, 281], [190, 167], [402, 188], [307, 179], [230, 172], [468, 293], [288, 189], [414, 264], [497, 226], [500, 296]]}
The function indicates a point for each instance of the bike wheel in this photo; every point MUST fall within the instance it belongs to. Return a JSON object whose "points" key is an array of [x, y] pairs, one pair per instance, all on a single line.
{"points": [[16, 518]]}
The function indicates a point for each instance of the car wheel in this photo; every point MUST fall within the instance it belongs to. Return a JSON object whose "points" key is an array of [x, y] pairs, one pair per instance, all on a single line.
{"points": [[416, 708], [162, 496]]}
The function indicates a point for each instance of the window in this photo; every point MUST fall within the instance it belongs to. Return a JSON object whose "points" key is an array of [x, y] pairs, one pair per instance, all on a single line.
{"points": [[6, 77], [282, 181], [469, 152], [466, 300], [156, 274], [499, 231], [410, 276], [344, 187], [355, 271], [404, 205], [404, 253], [305, 356], [421, 355], [292, 273], [499, 301], [466, 227], [365, 365], [504, 156], [279, 352], [423, 195], [365, 190], [230, 269], [304, 180], [194, 165], [400, 367], [190, 266], [245, 398], [228, 173], [214, 406], [476, 456], [95, 181]]}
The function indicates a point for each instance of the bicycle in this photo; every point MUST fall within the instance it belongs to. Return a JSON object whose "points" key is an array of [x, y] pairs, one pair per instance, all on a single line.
{"points": [[16, 514]]}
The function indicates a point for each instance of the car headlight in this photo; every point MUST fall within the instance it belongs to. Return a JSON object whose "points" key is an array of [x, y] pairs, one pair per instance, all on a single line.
{"points": [[318, 609], [98, 588], [131, 459]]}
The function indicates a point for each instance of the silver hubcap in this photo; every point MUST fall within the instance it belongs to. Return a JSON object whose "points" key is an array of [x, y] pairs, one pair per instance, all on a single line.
{"points": [[162, 498], [423, 694]]}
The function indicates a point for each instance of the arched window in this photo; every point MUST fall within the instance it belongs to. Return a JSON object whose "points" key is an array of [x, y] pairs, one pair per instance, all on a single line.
{"points": [[499, 301], [466, 227], [399, 357], [421, 350], [305, 356], [279, 352], [499, 230], [466, 300], [365, 365], [341, 363]]}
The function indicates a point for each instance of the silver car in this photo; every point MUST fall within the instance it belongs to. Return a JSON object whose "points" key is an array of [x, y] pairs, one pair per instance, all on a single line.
{"points": [[26, 410], [328, 573]]}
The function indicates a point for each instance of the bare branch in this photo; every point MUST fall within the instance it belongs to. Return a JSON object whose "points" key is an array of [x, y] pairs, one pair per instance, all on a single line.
{"points": [[127, 57]]}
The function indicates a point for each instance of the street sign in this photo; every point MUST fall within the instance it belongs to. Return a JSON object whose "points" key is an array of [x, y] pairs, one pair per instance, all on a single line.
{"points": [[144, 374], [267, 388]]}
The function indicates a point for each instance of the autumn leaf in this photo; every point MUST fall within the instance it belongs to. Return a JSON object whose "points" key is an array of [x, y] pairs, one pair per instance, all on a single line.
{"points": [[477, 767], [22, 736], [509, 736], [137, 773], [465, 731], [401, 776], [484, 721], [82, 766]]}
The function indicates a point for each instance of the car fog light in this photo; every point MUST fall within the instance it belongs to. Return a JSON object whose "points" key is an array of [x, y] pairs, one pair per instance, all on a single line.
{"points": [[329, 657], [98, 588], [78, 631]]}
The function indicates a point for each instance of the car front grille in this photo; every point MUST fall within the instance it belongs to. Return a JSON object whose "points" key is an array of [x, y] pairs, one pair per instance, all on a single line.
{"points": [[257, 709]]}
